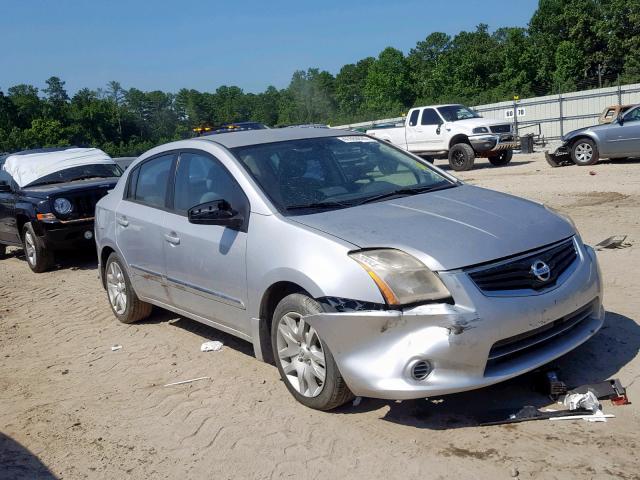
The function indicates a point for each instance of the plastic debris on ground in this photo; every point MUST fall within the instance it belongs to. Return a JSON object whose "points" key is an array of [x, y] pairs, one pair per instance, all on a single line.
{"points": [[187, 381], [115, 348], [585, 401], [356, 401], [212, 346], [616, 241]]}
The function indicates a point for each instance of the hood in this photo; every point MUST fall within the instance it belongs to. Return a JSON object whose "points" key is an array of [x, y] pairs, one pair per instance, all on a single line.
{"points": [[44, 191], [446, 229], [472, 123], [578, 131]]}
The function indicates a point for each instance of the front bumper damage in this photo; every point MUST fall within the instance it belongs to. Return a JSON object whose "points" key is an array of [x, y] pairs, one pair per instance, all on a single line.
{"points": [[493, 143], [375, 350]]}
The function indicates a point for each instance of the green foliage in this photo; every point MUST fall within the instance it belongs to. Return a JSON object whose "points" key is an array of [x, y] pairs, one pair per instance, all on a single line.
{"points": [[569, 44]]}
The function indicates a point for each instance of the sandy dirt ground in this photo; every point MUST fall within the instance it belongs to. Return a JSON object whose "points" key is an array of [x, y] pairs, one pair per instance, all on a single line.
{"points": [[70, 407]]}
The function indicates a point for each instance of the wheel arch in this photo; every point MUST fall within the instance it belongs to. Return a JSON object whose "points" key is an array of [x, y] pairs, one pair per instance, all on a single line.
{"points": [[459, 138]]}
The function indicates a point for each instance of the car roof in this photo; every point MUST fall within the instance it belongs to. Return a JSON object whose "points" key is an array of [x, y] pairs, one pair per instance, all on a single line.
{"points": [[272, 135]]}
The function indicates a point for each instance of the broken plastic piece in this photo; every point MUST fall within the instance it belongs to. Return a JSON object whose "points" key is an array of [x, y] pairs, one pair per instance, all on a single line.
{"points": [[594, 417], [616, 241], [187, 381], [115, 348], [584, 401], [212, 346], [526, 414], [608, 390]]}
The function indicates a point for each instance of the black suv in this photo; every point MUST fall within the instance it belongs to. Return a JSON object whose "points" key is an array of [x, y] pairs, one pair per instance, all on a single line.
{"points": [[54, 212]]}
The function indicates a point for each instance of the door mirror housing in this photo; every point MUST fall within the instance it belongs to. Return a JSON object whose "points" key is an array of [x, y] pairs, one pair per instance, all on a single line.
{"points": [[217, 212], [620, 119], [4, 187]]}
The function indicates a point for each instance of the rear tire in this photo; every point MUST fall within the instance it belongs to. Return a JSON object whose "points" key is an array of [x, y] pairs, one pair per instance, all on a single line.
{"points": [[502, 158], [124, 302], [39, 258], [584, 152], [298, 349], [461, 157]]}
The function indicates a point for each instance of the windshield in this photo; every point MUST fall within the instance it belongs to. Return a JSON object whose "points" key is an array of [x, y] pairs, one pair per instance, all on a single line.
{"points": [[453, 113], [82, 172], [302, 176]]}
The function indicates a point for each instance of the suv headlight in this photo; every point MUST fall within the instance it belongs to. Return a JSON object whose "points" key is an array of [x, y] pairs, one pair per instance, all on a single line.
{"points": [[62, 206], [481, 130], [401, 278]]}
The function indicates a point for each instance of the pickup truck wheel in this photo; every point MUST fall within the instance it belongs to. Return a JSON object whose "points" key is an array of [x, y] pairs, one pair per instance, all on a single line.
{"points": [[38, 256], [3, 250], [584, 152], [461, 157], [502, 158], [125, 304], [304, 361]]}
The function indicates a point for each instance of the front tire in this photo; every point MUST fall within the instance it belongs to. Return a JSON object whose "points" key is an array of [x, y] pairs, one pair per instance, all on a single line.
{"points": [[304, 361], [502, 158], [125, 304], [461, 157], [39, 258], [584, 152]]}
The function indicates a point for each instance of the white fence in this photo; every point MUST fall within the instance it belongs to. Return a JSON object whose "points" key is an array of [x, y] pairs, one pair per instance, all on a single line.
{"points": [[551, 116]]}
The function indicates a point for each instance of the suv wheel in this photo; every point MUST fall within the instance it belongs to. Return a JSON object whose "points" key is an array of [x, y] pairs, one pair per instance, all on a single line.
{"points": [[461, 157], [584, 152], [303, 359], [125, 304], [38, 256], [502, 158]]}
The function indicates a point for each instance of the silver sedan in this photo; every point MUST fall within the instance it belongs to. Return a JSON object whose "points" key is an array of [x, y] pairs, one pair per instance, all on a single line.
{"points": [[356, 267]]}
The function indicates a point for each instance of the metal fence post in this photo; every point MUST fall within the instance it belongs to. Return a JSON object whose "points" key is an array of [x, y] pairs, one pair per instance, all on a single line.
{"points": [[619, 92], [561, 116]]}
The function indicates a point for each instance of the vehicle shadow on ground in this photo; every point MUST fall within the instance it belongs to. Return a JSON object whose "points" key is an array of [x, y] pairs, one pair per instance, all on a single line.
{"points": [[482, 163], [83, 259], [17, 462], [160, 315], [599, 359]]}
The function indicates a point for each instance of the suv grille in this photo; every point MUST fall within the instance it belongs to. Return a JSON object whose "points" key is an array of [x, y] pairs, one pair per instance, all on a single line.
{"points": [[84, 203], [501, 128], [518, 274]]}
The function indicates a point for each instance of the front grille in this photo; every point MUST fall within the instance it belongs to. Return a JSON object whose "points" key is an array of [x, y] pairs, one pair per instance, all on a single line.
{"points": [[510, 348], [84, 203], [518, 274], [501, 128]]}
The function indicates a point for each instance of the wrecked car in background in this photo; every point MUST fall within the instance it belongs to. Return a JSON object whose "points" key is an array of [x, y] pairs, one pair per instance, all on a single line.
{"points": [[616, 140], [357, 267], [48, 198]]}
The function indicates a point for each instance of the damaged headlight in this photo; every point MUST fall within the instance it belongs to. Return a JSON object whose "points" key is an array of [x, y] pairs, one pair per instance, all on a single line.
{"points": [[401, 278]]}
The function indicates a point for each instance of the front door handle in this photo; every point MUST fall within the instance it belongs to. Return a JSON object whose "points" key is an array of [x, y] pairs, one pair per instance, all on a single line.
{"points": [[172, 238], [122, 221]]}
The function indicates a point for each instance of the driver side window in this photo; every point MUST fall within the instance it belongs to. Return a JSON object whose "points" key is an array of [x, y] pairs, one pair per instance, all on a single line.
{"points": [[633, 115]]}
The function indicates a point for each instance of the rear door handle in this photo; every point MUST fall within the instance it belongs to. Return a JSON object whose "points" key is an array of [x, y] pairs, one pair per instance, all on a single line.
{"points": [[172, 238], [122, 221]]}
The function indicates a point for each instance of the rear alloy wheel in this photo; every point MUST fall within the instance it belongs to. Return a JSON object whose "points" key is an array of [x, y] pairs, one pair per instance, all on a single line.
{"points": [[584, 152], [39, 258], [304, 361], [502, 158], [125, 304], [461, 157]]}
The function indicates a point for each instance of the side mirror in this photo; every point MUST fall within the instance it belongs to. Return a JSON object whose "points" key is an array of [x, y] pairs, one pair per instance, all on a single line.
{"points": [[218, 212], [5, 187], [620, 119], [439, 129]]}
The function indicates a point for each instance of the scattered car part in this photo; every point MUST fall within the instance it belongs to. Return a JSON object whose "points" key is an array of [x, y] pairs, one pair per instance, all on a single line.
{"points": [[616, 241], [527, 414], [212, 346], [187, 381], [607, 390]]}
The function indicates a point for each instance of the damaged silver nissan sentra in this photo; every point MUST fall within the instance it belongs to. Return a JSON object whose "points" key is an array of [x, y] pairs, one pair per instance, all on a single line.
{"points": [[358, 268]]}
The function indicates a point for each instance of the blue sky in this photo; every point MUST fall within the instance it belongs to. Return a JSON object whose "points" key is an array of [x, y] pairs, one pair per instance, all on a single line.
{"points": [[168, 45]]}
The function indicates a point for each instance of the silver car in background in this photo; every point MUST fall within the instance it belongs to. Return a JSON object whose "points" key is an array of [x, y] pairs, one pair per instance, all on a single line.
{"points": [[356, 267]]}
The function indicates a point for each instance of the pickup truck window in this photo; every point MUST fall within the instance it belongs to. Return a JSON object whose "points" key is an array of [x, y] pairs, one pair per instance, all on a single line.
{"points": [[413, 120], [430, 117], [453, 113], [302, 176]]}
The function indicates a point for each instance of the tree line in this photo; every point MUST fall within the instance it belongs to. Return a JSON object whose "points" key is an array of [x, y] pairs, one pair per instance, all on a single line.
{"points": [[568, 45]]}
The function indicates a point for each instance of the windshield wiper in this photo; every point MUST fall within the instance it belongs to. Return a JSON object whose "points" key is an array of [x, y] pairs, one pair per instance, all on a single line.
{"points": [[406, 191], [86, 177], [320, 205]]}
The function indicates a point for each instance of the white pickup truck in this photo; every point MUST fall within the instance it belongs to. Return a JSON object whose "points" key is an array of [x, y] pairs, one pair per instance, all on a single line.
{"points": [[451, 131]]}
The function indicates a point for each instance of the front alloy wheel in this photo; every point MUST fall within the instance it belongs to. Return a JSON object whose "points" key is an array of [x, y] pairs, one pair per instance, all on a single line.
{"points": [[584, 152], [304, 361], [301, 355]]}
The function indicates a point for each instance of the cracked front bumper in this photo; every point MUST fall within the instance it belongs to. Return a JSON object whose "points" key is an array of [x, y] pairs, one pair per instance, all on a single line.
{"points": [[375, 350]]}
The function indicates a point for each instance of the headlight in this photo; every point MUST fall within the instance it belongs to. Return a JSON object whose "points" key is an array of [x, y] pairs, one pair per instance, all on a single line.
{"points": [[62, 206], [481, 130], [401, 278]]}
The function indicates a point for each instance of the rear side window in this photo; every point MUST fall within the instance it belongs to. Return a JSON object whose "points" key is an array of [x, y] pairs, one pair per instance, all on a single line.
{"points": [[430, 117], [152, 181], [413, 120]]}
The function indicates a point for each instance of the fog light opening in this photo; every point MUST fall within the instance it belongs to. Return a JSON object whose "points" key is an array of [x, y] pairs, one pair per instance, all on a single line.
{"points": [[88, 235], [421, 370]]}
